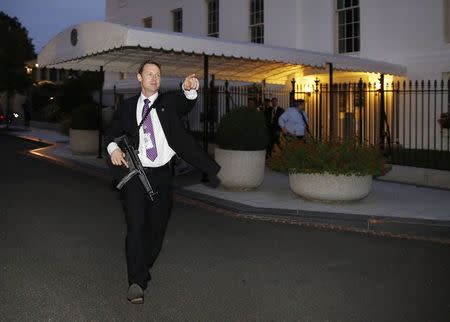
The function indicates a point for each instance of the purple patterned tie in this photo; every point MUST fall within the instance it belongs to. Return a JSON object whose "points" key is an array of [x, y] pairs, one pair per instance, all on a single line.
{"points": [[148, 130]]}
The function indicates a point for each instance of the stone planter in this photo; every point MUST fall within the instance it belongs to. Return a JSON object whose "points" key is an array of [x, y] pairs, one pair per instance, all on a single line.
{"points": [[241, 170], [328, 187], [83, 141]]}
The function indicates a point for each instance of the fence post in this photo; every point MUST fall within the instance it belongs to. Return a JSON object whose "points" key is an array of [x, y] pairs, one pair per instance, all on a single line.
{"points": [[212, 106], [292, 94], [227, 97], [382, 112], [360, 103], [331, 93]]}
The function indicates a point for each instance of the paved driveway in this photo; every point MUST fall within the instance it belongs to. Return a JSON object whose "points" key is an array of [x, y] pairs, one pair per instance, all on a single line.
{"points": [[62, 259]]}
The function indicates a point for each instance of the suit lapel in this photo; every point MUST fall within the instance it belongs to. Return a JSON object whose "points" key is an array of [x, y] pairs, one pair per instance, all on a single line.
{"points": [[132, 108]]}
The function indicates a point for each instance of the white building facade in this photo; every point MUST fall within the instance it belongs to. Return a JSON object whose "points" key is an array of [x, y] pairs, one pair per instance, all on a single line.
{"points": [[412, 33]]}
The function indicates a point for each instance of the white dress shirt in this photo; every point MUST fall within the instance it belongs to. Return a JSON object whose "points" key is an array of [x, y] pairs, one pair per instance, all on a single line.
{"points": [[165, 152]]}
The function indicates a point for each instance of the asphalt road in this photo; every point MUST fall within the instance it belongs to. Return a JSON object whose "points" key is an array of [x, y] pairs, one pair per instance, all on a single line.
{"points": [[62, 259]]}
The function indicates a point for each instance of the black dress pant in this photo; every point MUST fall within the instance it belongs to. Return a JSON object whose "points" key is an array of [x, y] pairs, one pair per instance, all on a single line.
{"points": [[146, 221]]}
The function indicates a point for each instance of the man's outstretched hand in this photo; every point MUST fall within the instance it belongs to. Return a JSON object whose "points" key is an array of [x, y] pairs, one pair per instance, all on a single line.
{"points": [[191, 82]]}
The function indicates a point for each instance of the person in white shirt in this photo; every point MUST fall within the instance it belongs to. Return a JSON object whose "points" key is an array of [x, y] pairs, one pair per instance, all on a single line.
{"points": [[294, 120]]}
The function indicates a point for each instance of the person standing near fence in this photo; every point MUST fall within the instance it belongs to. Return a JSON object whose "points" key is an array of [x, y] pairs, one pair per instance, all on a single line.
{"points": [[275, 113], [294, 121], [152, 122]]}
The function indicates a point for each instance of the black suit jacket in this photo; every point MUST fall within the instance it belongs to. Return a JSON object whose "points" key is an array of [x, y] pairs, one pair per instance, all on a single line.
{"points": [[169, 107], [278, 113]]}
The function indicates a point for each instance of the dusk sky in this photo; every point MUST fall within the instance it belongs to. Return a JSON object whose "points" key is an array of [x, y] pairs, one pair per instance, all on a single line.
{"points": [[46, 18]]}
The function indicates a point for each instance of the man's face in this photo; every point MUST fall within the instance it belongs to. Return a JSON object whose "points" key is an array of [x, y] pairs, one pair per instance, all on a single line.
{"points": [[274, 102], [150, 79], [301, 106]]}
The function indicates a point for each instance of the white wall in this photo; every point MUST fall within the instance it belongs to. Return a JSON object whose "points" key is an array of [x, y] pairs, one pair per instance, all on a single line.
{"points": [[234, 20], [315, 24], [407, 32]]}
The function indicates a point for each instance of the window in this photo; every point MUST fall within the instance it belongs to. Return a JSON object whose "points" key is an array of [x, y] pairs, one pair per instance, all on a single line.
{"points": [[348, 26], [213, 18], [177, 20], [257, 21], [148, 22]]}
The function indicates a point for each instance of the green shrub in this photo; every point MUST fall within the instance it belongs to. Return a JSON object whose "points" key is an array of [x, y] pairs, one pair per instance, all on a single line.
{"points": [[243, 129], [85, 117], [338, 157]]}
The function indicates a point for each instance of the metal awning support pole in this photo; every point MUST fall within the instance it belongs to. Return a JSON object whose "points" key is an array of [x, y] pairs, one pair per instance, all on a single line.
{"points": [[382, 112], [205, 103], [332, 129], [99, 111]]}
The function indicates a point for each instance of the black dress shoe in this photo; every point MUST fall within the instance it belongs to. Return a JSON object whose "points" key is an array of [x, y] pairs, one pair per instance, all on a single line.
{"points": [[135, 294]]}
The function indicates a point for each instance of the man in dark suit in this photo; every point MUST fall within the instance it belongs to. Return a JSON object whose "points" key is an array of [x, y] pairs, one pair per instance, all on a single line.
{"points": [[158, 135], [272, 114]]}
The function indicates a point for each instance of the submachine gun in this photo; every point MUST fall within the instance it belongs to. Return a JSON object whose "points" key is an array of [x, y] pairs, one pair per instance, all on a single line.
{"points": [[134, 166]]}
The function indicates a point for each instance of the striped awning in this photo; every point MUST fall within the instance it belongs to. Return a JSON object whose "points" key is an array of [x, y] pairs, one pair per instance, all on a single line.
{"points": [[122, 48]]}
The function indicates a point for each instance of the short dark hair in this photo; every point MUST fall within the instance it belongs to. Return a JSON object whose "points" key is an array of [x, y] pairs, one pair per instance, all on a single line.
{"points": [[148, 62], [299, 101]]}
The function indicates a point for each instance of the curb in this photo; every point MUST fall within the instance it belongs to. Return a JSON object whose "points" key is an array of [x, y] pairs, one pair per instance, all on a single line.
{"points": [[406, 228]]}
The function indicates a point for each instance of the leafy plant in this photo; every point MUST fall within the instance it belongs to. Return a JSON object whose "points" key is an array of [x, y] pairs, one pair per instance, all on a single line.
{"points": [[244, 129], [444, 121], [336, 157], [85, 117]]}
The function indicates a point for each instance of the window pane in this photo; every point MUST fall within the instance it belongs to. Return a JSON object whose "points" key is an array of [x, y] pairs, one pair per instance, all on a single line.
{"points": [[356, 2], [356, 14], [349, 16], [258, 17], [341, 31], [341, 46], [348, 3], [348, 30], [340, 4], [356, 29], [356, 44], [341, 17], [349, 45]]}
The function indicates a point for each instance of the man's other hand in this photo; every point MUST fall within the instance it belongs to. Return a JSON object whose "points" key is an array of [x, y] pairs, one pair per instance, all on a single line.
{"points": [[118, 157], [191, 82]]}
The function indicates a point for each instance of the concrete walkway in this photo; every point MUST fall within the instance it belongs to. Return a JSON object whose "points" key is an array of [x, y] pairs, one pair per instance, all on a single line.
{"points": [[391, 208]]}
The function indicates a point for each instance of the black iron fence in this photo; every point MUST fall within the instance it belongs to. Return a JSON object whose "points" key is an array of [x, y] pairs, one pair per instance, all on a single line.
{"points": [[400, 117]]}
